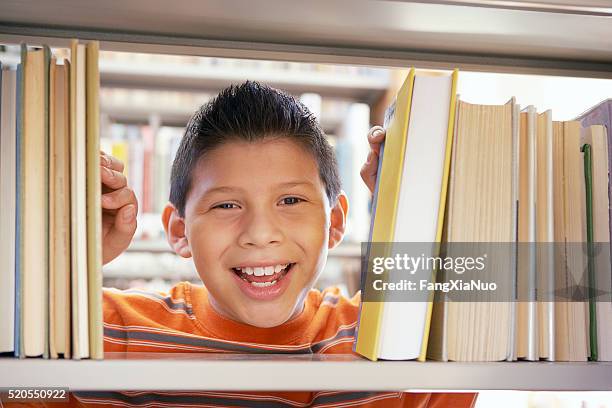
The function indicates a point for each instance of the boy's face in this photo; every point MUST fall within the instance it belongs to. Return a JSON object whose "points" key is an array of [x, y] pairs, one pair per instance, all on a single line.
{"points": [[258, 224]]}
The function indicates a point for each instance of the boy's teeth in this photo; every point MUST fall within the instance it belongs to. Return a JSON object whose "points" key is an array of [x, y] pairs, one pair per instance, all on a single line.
{"points": [[262, 270], [263, 284]]}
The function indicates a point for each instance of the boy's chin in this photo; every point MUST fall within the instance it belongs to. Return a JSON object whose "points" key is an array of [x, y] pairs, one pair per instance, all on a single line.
{"points": [[267, 316]]}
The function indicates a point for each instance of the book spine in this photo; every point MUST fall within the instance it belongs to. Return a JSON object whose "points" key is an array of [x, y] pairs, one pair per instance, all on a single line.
{"points": [[46, 204], [94, 210], [19, 349], [592, 284]]}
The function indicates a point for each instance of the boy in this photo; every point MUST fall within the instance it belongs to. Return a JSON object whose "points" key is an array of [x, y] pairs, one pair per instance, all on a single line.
{"points": [[256, 201]]}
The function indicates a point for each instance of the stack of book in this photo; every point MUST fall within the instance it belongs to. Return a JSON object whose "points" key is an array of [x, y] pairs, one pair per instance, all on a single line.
{"points": [[51, 256], [452, 173]]}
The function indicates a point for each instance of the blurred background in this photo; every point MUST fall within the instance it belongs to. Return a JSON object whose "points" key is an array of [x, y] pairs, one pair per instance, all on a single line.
{"points": [[147, 99]]}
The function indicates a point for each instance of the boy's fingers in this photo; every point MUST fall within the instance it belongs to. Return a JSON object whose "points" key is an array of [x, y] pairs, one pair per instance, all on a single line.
{"points": [[118, 198], [124, 227], [111, 162], [376, 136], [369, 170], [112, 179]]}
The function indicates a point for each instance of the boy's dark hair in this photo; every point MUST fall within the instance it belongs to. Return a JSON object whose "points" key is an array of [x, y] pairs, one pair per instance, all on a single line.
{"points": [[250, 112]]}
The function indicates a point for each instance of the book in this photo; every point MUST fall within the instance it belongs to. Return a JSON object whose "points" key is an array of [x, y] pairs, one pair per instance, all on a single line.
{"points": [[18, 210], [93, 202], [601, 114], [371, 313], [8, 96], [545, 269], [601, 276], [484, 166], [588, 186], [423, 173], [59, 210], [527, 327], [571, 324], [45, 309], [78, 198], [34, 219]]}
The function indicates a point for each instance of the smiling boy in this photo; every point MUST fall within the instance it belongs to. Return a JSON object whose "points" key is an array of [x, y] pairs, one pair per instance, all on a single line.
{"points": [[256, 202]]}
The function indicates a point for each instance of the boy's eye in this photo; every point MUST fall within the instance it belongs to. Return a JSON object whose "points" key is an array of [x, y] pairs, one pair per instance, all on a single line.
{"points": [[226, 206], [291, 200]]}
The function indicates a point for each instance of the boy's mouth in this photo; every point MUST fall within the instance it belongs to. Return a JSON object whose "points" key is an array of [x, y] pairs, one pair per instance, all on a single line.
{"points": [[263, 276]]}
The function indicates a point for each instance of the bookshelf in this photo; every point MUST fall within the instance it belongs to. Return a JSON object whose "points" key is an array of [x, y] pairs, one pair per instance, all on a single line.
{"points": [[307, 372], [572, 41], [569, 39]]}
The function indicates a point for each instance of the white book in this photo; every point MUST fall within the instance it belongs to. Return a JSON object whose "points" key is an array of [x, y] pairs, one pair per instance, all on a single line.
{"points": [[417, 219], [80, 307], [7, 209], [527, 329]]}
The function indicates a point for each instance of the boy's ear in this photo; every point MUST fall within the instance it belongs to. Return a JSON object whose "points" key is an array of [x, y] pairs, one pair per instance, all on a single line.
{"points": [[337, 225], [174, 225]]}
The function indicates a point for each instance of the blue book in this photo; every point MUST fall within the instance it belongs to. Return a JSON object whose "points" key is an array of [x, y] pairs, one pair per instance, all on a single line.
{"points": [[18, 192], [366, 257]]}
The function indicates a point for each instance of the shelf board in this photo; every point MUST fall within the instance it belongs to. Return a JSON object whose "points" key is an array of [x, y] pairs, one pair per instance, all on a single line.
{"points": [[144, 371], [380, 33]]}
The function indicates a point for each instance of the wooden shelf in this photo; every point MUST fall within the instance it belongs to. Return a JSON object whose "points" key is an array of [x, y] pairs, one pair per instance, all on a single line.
{"points": [[142, 371]]}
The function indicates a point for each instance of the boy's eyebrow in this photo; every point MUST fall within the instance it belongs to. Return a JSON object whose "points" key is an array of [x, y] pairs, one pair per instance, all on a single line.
{"points": [[228, 189], [296, 183], [220, 189]]}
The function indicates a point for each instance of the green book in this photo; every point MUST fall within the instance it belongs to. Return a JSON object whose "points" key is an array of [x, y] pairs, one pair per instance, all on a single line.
{"points": [[588, 182]]}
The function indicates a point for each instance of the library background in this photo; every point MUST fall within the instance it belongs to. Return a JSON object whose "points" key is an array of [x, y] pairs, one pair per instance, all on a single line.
{"points": [[146, 99]]}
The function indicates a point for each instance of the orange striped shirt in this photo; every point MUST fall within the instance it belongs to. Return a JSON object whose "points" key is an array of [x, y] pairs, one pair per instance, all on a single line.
{"points": [[184, 321]]}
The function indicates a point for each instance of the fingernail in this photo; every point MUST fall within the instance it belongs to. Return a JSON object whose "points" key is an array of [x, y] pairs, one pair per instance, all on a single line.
{"points": [[377, 133], [104, 160], [129, 213]]}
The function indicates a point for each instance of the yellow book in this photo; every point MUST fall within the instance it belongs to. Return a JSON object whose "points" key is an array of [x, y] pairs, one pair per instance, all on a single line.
{"points": [[52, 208], [370, 316], [59, 211], [443, 196], [94, 210], [426, 120], [35, 204]]}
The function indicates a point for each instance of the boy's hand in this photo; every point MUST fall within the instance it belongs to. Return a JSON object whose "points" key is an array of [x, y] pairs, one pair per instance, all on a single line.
{"points": [[119, 208], [376, 136]]}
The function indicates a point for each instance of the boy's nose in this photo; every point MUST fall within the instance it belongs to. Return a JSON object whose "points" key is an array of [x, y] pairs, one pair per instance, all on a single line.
{"points": [[260, 230]]}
